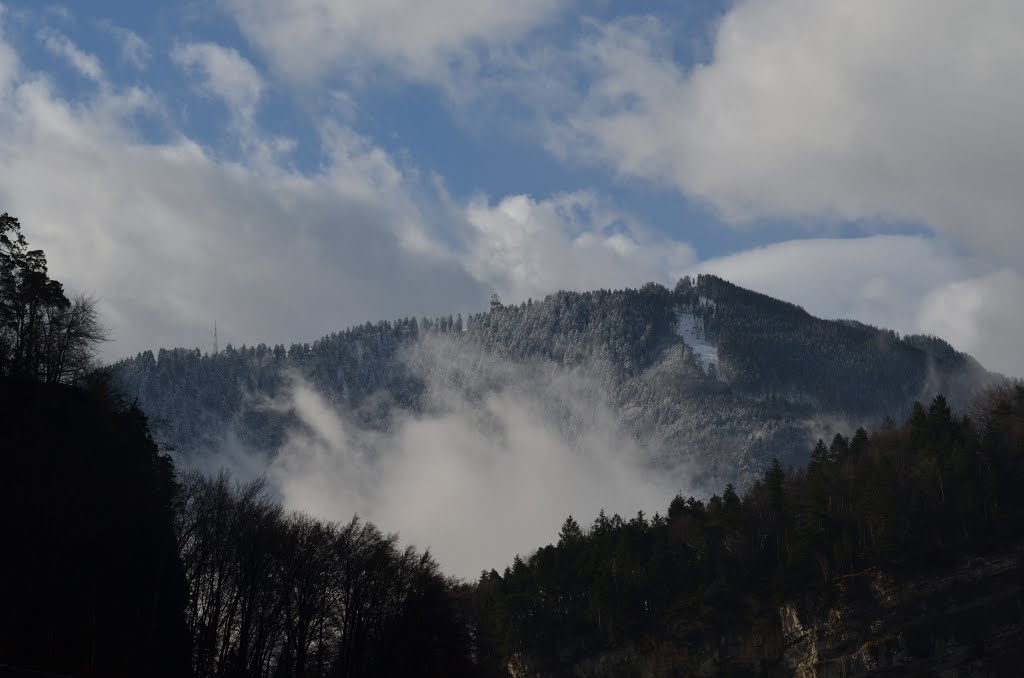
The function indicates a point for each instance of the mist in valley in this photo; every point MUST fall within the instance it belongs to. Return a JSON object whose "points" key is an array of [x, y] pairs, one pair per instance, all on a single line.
{"points": [[499, 455]]}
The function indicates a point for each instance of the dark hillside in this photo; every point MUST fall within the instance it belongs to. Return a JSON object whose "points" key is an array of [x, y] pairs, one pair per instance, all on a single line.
{"points": [[90, 580], [899, 552]]}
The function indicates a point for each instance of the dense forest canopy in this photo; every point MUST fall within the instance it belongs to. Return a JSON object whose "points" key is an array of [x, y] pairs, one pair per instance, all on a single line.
{"points": [[659, 591]]}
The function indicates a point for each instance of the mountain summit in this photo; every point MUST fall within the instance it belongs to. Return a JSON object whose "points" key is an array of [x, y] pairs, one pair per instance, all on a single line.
{"points": [[708, 374]]}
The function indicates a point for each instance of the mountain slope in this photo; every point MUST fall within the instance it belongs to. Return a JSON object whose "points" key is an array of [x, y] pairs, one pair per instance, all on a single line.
{"points": [[91, 581], [709, 374], [893, 553]]}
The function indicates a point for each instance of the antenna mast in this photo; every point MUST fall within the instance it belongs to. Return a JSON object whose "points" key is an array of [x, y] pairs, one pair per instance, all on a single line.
{"points": [[215, 350]]}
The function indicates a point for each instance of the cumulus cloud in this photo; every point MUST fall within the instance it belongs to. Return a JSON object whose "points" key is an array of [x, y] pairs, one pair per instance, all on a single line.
{"points": [[477, 481], [873, 110], [823, 113], [528, 248], [310, 39], [172, 238]]}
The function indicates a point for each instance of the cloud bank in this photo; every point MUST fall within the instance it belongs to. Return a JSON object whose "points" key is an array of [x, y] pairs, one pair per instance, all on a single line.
{"points": [[172, 238], [529, 248], [173, 235], [876, 110]]}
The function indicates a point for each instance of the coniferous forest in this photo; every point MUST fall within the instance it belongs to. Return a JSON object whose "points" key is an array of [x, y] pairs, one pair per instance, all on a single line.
{"points": [[895, 549], [660, 592], [775, 371]]}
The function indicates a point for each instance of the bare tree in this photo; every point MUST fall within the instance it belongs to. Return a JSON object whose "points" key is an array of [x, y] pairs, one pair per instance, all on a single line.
{"points": [[70, 338], [276, 594], [43, 334]]}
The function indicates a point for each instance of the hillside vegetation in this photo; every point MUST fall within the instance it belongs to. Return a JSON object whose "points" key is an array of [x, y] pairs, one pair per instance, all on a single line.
{"points": [[785, 579], [763, 382]]}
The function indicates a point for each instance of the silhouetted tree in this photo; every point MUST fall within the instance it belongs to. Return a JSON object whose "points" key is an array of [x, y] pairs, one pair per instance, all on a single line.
{"points": [[43, 335]]}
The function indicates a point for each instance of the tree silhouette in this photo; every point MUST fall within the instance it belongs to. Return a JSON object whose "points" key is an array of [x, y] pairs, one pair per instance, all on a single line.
{"points": [[43, 335]]}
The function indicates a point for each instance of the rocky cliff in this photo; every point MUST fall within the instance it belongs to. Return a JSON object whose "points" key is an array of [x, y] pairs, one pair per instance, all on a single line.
{"points": [[962, 619]]}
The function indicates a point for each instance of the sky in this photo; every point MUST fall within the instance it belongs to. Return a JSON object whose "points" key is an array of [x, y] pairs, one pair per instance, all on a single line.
{"points": [[287, 168]]}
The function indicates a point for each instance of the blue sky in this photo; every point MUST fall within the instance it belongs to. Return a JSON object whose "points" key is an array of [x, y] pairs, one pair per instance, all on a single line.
{"points": [[290, 167]]}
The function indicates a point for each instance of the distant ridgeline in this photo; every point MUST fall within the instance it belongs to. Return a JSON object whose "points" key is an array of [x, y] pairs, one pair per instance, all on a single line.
{"points": [[708, 372]]}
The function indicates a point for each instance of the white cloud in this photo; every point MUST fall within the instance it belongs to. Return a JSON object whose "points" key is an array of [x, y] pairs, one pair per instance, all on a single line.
{"points": [[223, 73], [172, 238], [528, 248], [477, 482], [904, 111], [309, 39], [134, 50], [981, 313], [908, 283], [60, 45]]}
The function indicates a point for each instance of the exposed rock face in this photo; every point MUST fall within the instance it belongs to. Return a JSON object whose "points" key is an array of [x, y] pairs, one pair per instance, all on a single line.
{"points": [[959, 620]]}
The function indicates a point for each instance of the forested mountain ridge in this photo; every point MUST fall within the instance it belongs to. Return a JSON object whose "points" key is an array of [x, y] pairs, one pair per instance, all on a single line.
{"points": [[707, 372]]}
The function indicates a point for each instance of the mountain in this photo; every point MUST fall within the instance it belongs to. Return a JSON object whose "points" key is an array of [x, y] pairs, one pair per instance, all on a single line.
{"points": [[710, 375]]}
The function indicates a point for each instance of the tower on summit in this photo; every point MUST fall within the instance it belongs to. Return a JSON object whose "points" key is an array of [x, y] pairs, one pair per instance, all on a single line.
{"points": [[495, 302]]}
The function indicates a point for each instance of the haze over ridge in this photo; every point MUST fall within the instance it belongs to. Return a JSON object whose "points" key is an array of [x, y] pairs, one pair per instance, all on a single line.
{"points": [[477, 436]]}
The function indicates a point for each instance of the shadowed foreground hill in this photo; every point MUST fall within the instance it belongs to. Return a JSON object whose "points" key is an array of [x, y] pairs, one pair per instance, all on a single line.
{"points": [[111, 568], [90, 578]]}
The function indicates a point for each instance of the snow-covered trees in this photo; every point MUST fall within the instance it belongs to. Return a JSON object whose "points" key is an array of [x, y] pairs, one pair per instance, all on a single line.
{"points": [[774, 368]]}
